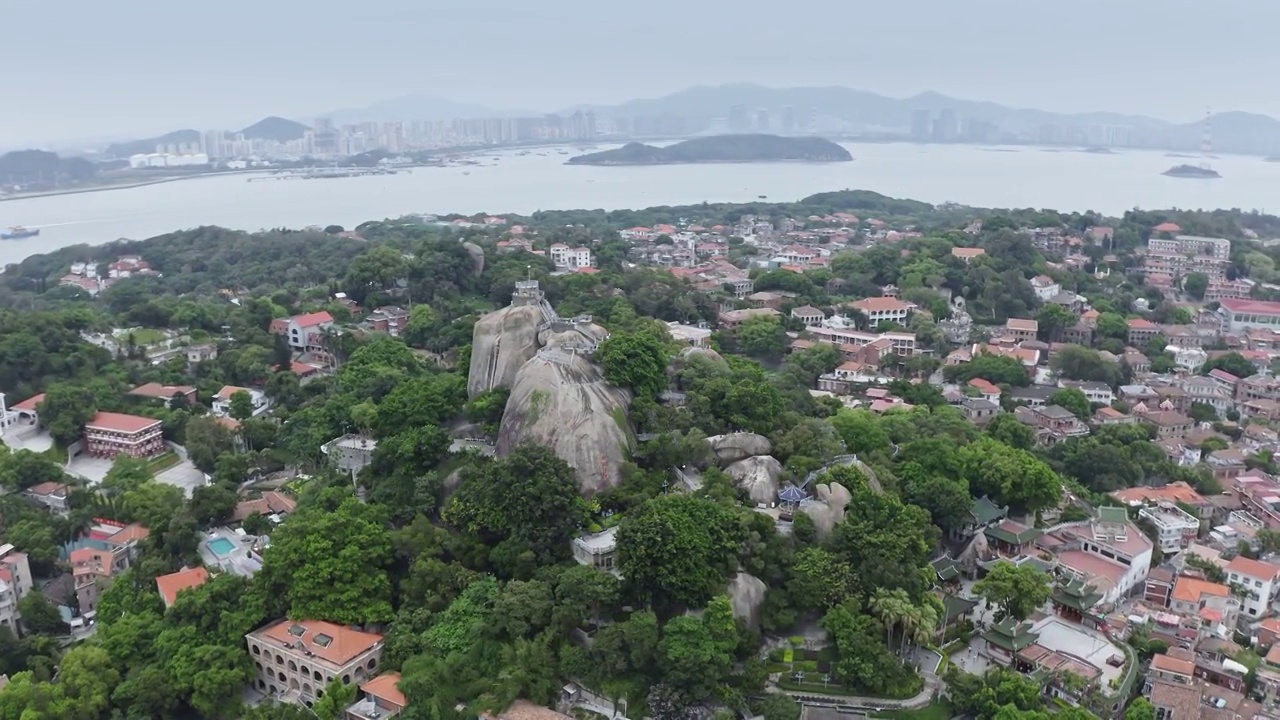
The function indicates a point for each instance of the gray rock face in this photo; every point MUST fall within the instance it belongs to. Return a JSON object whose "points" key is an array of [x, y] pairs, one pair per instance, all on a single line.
{"points": [[560, 399], [760, 476], [477, 257], [738, 446], [502, 342], [746, 594], [827, 508], [691, 352]]}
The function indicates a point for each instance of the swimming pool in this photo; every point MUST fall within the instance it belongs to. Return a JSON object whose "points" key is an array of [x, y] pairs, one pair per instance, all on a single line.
{"points": [[221, 546]]}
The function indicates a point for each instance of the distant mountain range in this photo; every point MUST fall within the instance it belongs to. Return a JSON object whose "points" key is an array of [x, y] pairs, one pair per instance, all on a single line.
{"points": [[269, 128], [1232, 131]]}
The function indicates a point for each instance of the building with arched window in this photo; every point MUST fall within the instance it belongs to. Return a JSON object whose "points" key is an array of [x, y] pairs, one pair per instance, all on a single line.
{"points": [[294, 661]]}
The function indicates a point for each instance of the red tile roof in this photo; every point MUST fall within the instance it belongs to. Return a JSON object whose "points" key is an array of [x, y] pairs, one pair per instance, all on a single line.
{"points": [[1252, 568], [1258, 307], [172, 584], [882, 304], [312, 319], [163, 392], [1168, 227], [119, 422], [967, 253], [48, 488], [384, 688], [343, 646], [30, 404]]}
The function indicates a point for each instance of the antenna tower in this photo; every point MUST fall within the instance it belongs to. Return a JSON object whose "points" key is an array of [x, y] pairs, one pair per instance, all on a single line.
{"points": [[1206, 142]]}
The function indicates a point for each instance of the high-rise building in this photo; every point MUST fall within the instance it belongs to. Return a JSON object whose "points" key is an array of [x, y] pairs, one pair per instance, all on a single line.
{"points": [[921, 124], [946, 126], [762, 120], [788, 119], [738, 119], [325, 139]]}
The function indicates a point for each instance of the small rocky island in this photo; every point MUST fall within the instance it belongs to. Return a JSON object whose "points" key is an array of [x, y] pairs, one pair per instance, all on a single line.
{"points": [[1191, 171], [721, 149]]}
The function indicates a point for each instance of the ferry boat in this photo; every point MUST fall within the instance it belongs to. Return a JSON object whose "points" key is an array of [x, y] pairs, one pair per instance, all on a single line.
{"points": [[17, 232]]}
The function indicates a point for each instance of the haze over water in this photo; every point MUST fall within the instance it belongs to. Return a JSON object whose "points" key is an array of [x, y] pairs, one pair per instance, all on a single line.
{"points": [[980, 176]]}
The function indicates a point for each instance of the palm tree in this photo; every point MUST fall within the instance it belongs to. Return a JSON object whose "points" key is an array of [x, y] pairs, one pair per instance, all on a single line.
{"points": [[910, 622], [886, 607]]}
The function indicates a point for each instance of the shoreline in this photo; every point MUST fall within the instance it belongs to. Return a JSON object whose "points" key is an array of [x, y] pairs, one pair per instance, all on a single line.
{"points": [[122, 186]]}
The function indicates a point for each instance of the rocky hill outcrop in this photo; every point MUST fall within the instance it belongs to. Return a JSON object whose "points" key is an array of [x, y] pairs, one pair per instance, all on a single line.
{"points": [[733, 447], [501, 343], [560, 399]]}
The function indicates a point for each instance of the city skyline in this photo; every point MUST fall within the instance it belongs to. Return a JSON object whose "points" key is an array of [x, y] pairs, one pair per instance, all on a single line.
{"points": [[103, 73]]}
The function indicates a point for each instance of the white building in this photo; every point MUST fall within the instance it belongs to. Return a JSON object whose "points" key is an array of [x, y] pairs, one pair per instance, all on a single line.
{"points": [[1259, 581], [1175, 527], [1188, 358], [884, 308], [1096, 392], [563, 256], [689, 334], [597, 550], [1045, 287], [1110, 553], [222, 401], [1243, 314], [15, 583]]}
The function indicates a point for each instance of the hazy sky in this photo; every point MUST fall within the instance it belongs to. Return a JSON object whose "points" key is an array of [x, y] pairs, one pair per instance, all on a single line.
{"points": [[75, 69]]}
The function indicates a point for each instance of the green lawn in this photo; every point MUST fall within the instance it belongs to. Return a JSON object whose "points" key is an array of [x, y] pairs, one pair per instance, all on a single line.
{"points": [[164, 462], [143, 336], [940, 710]]}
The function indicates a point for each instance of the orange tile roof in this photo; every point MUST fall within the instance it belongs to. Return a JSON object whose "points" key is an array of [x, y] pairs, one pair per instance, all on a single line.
{"points": [[344, 644], [1142, 324], [1173, 492], [173, 583], [30, 404], [1252, 568], [1166, 663], [384, 687], [120, 422], [1188, 589], [129, 533], [48, 488], [881, 304], [228, 390], [1022, 324], [161, 392], [984, 386], [312, 319], [964, 252], [91, 561]]}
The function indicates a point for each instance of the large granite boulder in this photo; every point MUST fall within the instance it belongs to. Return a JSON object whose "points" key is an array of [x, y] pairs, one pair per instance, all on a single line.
{"points": [[477, 257], [560, 399], [827, 507], [746, 594], [501, 343], [759, 475], [738, 446]]}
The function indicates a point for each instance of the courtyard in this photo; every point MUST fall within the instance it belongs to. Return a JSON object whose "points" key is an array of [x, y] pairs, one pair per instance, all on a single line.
{"points": [[182, 474], [1059, 636]]}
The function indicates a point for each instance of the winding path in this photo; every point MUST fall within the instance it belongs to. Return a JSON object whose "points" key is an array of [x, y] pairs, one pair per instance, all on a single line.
{"points": [[842, 461]]}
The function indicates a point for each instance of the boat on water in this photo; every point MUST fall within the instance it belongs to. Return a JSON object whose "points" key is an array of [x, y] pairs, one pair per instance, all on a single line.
{"points": [[17, 232], [1191, 171]]}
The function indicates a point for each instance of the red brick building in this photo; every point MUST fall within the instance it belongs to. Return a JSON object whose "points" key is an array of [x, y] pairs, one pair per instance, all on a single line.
{"points": [[110, 434]]}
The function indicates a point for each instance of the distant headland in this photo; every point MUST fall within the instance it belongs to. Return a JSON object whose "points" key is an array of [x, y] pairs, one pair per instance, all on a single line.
{"points": [[1191, 171], [721, 149]]}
